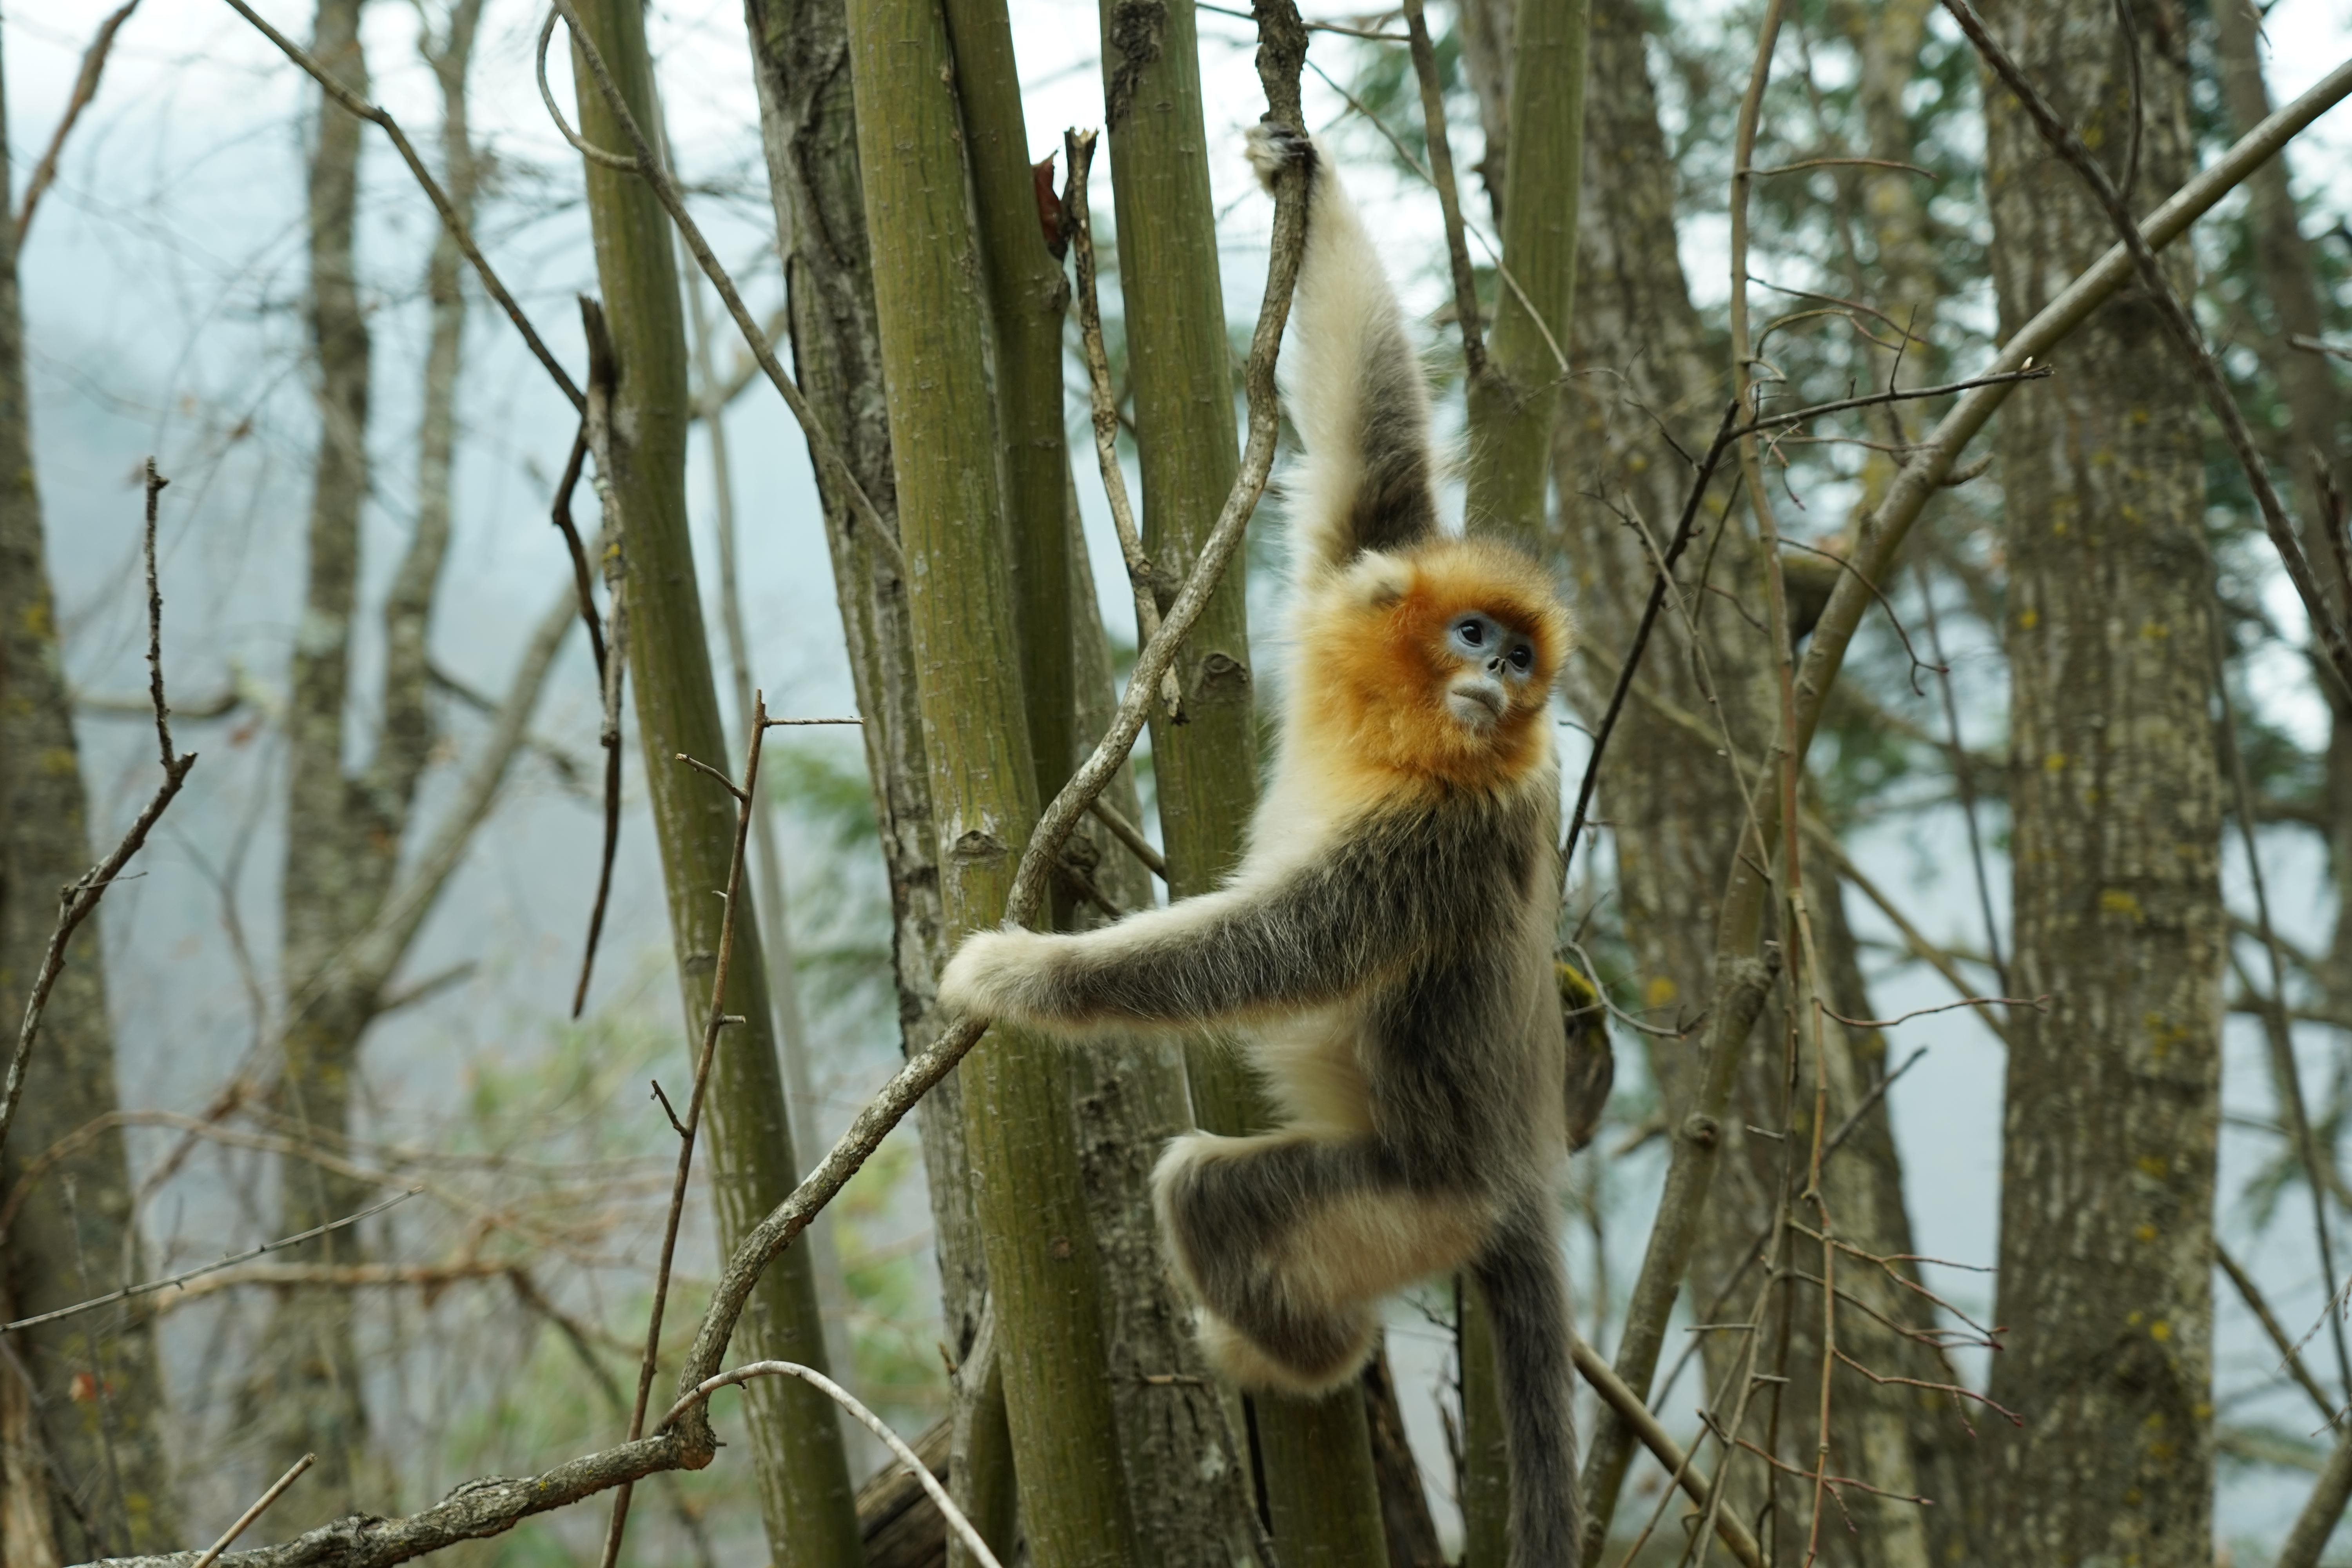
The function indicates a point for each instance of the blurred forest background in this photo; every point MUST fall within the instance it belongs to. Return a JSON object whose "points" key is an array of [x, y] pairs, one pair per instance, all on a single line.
{"points": [[2088, 753]]}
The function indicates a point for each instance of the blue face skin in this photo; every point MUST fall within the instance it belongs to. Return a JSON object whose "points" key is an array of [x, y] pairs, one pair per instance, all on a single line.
{"points": [[1497, 664]]}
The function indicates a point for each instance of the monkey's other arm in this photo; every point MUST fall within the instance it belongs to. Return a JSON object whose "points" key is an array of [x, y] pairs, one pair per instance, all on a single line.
{"points": [[1361, 912]]}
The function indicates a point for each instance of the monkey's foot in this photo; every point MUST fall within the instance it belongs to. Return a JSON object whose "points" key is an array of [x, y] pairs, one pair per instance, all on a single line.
{"points": [[1340, 1356]]}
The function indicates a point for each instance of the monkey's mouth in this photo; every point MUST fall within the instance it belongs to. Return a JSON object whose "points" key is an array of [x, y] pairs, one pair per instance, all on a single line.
{"points": [[1478, 704]]}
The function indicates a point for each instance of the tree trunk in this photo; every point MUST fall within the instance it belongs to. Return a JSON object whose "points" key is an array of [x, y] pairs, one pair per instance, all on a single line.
{"points": [[806, 1496], [808, 129], [1187, 1460], [2113, 1094], [1043, 1266], [1673, 807], [784, 978], [1511, 416], [1316, 1455], [341, 845], [79, 1477], [1511, 405]]}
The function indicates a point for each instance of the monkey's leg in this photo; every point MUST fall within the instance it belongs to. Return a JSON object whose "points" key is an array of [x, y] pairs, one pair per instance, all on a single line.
{"points": [[1289, 1241]]}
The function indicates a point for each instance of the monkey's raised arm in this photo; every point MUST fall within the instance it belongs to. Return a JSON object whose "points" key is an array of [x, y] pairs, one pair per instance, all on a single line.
{"points": [[1352, 379], [1376, 900]]}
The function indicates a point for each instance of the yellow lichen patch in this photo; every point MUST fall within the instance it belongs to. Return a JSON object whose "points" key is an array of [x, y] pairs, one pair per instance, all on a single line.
{"points": [[2055, 762], [2143, 1232], [2159, 1331], [2027, 619], [2121, 901], [58, 763], [2155, 1166], [2154, 631], [1661, 991]]}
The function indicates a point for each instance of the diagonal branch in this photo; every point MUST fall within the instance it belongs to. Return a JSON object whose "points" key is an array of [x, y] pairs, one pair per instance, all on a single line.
{"points": [[85, 88], [434, 192], [2064, 142]]}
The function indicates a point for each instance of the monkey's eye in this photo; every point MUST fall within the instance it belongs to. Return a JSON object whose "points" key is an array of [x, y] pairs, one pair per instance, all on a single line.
{"points": [[1522, 657], [1472, 632]]}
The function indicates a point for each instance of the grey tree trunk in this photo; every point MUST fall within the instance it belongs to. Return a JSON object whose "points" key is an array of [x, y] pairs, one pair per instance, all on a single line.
{"points": [[79, 1478], [342, 841], [806, 1499], [2113, 1094], [1675, 805]]}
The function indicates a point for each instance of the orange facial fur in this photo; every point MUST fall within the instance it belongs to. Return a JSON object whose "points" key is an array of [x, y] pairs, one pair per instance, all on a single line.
{"points": [[1372, 668]]}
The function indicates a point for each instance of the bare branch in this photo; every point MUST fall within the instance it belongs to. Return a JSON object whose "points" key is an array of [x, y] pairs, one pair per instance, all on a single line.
{"points": [[1654, 1438], [2063, 140], [368, 111], [76, 902], [1143, 576], [85, 88], [260, 1505], [151, 1286], [873, 1423]]}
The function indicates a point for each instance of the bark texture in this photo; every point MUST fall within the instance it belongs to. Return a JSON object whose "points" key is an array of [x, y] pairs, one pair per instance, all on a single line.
{"points": [[932, 305], [806, 1497], [342, 835], [2106, 1240], [1188, 1478], [1675, 803], [1314, 1456], [79, 1476], [808, 131]]}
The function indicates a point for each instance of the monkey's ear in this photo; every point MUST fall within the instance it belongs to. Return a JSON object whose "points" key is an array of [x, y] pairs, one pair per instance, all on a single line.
{"points": [[1378, 581]]}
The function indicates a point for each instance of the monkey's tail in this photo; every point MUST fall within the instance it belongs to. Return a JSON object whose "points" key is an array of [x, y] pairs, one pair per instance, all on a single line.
{"points": [[1525, 1289]]}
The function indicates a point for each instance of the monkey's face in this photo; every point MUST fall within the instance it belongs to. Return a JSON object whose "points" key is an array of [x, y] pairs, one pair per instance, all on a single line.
{"points": [[1494, 663], [1434, 663]]}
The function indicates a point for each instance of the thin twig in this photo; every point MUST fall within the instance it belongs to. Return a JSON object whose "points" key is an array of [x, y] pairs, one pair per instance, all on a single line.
{"points": [[715, 1019], [656, 174], [597, 437], [85, 88], [1634, 652], [896, 1445], [1963, 780], [2289, 1358], [78, 899], [1904, 395], [1127, 833], [782, 723], [260, 1504], [151, 1286], [1449, 196], [2186, 334], [2312, 345], [456, 225], [1654, 1438], [1843, 162], [1143, 576], [1342, 28], [2285, 1073], [2038, 1004]]}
